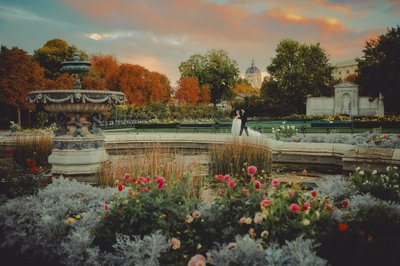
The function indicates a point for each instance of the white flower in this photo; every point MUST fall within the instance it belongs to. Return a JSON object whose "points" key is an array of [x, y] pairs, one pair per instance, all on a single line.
{"points": [[358, 169], [361, 172], [389, 168], [395, 167], [374, 172]]}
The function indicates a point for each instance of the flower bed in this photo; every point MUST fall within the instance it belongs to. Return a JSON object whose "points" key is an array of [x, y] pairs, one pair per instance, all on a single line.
{"points": [[367, 139], [146, 221]]}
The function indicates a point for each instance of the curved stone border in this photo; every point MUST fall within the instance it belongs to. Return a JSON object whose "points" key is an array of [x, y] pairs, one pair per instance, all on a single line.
{"points": [[343, 156]]}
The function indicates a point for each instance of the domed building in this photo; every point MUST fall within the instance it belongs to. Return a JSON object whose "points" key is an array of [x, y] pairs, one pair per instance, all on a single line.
{"points": [[253, 76]]}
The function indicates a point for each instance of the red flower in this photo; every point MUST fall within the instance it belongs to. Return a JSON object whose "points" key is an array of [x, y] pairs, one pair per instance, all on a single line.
{"points": [[120, 187], [160, 182], [314, 194], [257, 185], [9, 152], [343, 227], [306, 205], [345, 203], [30, 162], [35, 169], [244, 191], [220, 178], [145, 189], [232, 184], [251, 170], [294, 207], [221, 192], [329, 207], [105, 207]]}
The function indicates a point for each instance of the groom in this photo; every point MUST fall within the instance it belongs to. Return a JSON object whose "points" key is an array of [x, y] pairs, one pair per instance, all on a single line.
{"points": [[243, 124]]}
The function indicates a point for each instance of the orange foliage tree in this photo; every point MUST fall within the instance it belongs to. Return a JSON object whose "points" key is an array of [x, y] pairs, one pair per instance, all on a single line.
{"points": [[63, 82], [188, 91], [142, 86], [104, 73], [242, 87], [19, 75], [204, 95]]}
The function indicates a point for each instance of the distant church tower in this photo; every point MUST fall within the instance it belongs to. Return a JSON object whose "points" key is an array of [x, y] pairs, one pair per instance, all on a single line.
{"points": [[253, 76]]}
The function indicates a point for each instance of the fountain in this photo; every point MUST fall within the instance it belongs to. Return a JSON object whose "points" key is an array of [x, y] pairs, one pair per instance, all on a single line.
{"points": [[78, 144]]}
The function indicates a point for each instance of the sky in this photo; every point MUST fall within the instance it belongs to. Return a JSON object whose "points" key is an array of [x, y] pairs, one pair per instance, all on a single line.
{"points": [[160, 34]]}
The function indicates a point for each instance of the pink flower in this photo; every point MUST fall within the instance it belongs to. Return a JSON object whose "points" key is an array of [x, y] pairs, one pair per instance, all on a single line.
{"points": [[160, 182], [220, 178], [257, 185], [120, 187], [231, 184], [196, 214], [291, 193], [275, 182], [244, 191], [329, 207], [294, 207], [264, 203], [251, 170], [197, 260], [306, 205], [227, 177], [126, 177], [105, 207], [242, 220], [145, 189], [221, 192], [175, 243]]}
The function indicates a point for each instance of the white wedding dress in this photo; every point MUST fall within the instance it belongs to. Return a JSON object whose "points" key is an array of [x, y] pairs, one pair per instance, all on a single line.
{"points": [[236, 122]]}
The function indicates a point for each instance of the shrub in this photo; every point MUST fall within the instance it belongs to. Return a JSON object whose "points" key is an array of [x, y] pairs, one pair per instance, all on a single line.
{"points": [[284, 131], [385, 186]]}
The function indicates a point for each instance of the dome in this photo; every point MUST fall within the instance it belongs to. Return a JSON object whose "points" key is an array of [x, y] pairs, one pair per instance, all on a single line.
{"points": [[252, 69]]}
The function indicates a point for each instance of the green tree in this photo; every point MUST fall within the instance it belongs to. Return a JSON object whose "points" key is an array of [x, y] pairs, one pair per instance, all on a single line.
{"points": [[53, 53], [19, 75], [214, 69], [378, 69], [298, 70]]}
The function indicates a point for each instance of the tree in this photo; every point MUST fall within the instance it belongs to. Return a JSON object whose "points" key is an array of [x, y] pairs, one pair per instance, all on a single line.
{"points": [[378, 69], [204, 95], [104, 73], [53, 53], [244, 88], [215, 69], [188, 91], [298, 70], [142, 86], [19, 75]]}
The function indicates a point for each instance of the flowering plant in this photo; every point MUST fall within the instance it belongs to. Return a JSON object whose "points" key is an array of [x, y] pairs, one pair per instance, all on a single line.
{"points": [[284, 131]]}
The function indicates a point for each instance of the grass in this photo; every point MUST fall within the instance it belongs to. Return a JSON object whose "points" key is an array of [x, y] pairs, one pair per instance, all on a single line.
{"points": [[234, 157], [155, 160], [34, 146]]}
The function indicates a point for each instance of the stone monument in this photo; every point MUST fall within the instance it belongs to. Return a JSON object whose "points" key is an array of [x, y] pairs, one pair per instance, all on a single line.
{"points": [[78, 144]]}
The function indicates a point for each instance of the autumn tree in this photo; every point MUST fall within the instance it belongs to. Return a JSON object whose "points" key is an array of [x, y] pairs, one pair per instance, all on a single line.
{"points": [[204, 95], [297, 70], [103, 74], [63, 82], [214, 69], [142, 86], [244, 88], [378, 69], [53, 53], [188, 91], [19, 75]]}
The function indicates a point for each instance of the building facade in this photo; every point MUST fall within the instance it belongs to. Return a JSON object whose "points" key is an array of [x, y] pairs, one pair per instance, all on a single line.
{"points": [[346, 101], [345, 68], [253, 76]]}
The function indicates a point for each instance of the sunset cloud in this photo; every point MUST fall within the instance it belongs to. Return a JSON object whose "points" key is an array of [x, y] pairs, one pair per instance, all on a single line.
{"points": [[160, 34]]}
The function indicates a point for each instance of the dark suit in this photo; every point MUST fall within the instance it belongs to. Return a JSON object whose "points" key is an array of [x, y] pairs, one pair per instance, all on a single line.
{"points": [[243, 124]]}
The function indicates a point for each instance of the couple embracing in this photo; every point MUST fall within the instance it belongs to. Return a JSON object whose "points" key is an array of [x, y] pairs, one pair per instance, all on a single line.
{"points": [[239, 124]]}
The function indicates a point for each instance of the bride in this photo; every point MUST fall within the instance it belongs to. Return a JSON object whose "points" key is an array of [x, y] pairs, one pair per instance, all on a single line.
{"points": [[236, 123]]}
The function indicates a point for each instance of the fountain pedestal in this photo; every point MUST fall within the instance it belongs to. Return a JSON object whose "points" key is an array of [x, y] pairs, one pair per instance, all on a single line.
{"points": [[78, 144]]}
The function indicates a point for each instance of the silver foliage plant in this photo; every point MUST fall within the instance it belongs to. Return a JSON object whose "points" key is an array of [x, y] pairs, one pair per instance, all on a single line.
{"points": [[336, 186], [365, 139], [35, 225], [247, 251]]}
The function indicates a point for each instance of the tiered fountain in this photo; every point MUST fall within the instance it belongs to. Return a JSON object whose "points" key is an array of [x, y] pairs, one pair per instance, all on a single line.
{"points": [[78, 144]]}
